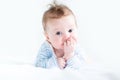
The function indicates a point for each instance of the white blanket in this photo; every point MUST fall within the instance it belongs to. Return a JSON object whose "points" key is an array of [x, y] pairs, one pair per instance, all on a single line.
{"points": [[29, 72]]}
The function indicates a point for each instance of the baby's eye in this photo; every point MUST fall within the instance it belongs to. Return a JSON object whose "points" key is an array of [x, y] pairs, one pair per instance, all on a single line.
{"points": [[58, 33], [70, 30]]}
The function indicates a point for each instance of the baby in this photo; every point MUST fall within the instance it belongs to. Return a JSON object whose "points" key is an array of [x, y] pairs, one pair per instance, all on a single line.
{"points": [[60, 48]]}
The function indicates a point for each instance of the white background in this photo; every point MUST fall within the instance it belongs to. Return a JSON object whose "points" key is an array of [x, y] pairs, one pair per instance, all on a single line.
{"points": [[98, 21]]}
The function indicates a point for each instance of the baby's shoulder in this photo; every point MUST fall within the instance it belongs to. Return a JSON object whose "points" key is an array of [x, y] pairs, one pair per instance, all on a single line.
{"points": [[45, 47]]}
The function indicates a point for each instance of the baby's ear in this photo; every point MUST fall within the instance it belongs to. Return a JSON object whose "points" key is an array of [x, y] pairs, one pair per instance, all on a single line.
{"points": [[46, 35]]}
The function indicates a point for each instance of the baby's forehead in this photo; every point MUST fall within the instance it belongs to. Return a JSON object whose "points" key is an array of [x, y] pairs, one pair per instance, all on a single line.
{"points": [[61, 24], [66, 20]]}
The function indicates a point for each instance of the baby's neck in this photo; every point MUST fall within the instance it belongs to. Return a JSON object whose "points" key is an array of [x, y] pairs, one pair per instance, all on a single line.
{"points": [[59, 53]]}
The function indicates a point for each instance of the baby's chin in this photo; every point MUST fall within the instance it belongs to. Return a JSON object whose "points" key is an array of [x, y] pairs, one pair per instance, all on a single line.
{"points": [[61, 47]]}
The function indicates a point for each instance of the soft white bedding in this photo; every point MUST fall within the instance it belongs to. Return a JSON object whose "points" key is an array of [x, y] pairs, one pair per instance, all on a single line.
{"points": [[20, 68], [29, 72]]}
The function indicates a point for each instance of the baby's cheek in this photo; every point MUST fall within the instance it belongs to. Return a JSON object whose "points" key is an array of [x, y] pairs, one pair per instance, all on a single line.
{"points": [[58, 41]]}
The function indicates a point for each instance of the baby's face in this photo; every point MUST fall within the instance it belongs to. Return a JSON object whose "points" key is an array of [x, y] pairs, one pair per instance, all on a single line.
{"points": [[61, 30]]}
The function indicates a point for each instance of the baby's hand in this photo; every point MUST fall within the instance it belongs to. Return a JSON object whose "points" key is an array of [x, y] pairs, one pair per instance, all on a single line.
{"points": [[61, 63], [69, 47]]}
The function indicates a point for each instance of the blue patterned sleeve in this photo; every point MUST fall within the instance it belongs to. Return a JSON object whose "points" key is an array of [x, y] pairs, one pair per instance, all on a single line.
{"points": [[43, 57]]}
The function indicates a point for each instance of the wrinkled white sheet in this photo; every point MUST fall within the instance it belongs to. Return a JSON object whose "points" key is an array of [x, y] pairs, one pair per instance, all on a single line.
{"points": [[29, 72]]}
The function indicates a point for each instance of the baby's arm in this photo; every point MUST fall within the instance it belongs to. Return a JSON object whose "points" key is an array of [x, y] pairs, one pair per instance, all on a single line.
{"points": [[61, 63], [73, 58], [43, 58]]}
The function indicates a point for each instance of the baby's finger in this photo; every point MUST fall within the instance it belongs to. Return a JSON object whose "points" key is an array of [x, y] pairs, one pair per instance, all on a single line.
{"points": [[64, 64], [73, 42], [65, 43], [74, 38], [68, 42]]}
